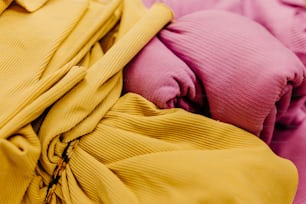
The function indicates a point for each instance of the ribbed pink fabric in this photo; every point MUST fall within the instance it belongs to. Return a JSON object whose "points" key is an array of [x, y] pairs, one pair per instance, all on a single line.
{"points": [[285, 19], [173, 83], [289, 141], [233, 66]]}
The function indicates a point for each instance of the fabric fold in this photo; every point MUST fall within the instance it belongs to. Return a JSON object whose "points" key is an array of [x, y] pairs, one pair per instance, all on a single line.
{"points": [[243, 69], [68, 136], [19, 156], [78, 112], [291, 13], [4, 4], [285, 20], [31, 5], [248, 77], [29, 54], [147, 155], [173, 92], [26, 96]]}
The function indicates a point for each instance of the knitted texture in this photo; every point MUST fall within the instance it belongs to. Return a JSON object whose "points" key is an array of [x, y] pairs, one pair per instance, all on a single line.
{"points": [[291, 13], [24, 93], [29, 42], [139, 154], [284, 19], [240, 73], [29, 5], [234, 65], [66, 135], [47, 62]]}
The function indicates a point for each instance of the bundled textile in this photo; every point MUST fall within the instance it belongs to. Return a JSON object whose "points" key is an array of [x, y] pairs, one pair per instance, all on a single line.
{"points": [[285, 19], [235, 62], [67, 135]]}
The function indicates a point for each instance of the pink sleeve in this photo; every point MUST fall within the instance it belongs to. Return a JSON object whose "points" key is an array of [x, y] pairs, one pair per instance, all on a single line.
{"points": [[184, 7], [285, 19]]}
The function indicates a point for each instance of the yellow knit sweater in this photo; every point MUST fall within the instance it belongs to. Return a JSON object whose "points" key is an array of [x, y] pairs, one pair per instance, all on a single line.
{"points": [[66, 135]]}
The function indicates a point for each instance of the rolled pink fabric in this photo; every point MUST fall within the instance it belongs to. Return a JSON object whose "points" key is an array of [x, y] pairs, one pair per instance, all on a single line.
{"points": [[165, 80], [232, 66], [285, 19]]}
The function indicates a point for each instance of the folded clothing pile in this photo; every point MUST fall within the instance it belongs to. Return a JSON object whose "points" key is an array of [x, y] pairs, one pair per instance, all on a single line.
{"points": [[67, 135], [241, 62]]}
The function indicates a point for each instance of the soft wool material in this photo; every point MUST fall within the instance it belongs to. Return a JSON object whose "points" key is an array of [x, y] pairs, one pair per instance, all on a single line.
{"points": [[241, 73], [66, 136]]}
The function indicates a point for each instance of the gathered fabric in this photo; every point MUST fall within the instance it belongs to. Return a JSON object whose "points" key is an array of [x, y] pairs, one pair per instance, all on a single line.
{"points": [[140, 154], [250, 74], [45, 54], [68, 135]]}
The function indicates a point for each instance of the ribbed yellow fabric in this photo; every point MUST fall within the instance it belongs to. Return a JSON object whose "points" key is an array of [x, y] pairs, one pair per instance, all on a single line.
{"points": [[27, 53], [92, 27], [92, 56], [31, 5], [29, 42], [132, 12], [95, 147], [171, 156], [4, 4], [85, 104]]}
